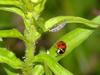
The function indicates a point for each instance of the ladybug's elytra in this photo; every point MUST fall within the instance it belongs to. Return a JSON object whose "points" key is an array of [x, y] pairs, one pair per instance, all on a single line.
{"points": [[61, 46]]}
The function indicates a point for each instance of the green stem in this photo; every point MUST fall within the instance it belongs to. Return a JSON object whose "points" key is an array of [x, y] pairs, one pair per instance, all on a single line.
{"points": [[28, 65], [30, 44], [31, 36], [38, 69]]}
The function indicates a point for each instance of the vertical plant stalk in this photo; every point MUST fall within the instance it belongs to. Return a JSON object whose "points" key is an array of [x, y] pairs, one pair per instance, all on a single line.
{"points": [[28, 65], [30, 41], [31, 36]]}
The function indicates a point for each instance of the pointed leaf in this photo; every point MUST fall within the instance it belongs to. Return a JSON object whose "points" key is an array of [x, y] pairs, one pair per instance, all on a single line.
{"points": [[38, 70], [47, 70], [53, 65], [10, 2], [9, 58], [9, 70], [73, 39], [14, 33], [14, 10], [39, 7], [69, 19]]}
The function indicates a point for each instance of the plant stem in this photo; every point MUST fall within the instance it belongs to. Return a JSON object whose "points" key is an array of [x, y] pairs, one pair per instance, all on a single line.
{"points": [[28, 65], [31, 35], [30, 45]]}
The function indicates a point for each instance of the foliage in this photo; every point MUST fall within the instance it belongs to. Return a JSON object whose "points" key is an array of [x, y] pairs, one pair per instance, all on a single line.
{"points": [[30, 11]]}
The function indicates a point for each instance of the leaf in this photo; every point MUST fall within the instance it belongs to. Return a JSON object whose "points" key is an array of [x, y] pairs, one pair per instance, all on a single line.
{"points": [[9, 70], [39, 7], [14, 10], [53, 64], [9, 58], [69, 19], [10, 2], [73, 39], [47, 70], [38, 70], [14, 33]]}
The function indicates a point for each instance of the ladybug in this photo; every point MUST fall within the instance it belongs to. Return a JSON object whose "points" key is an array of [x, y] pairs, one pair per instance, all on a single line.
{"points": [[61, 46]]}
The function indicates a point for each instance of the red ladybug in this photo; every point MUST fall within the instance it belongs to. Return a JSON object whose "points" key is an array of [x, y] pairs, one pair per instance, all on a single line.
{"points": [[61, 46]]}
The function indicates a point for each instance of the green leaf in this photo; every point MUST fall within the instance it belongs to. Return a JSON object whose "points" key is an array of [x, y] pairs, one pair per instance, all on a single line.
{"points": [[36, 1], [13, 33], [69, 19], [9, 58], [14, 10], [9, 70], [53, 64], [39, 8], [10, 2], [47, 70], [38, 70], [73, 39]]}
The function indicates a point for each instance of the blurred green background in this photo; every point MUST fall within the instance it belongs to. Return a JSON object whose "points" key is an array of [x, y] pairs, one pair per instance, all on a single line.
{"points": [[85, 59]]}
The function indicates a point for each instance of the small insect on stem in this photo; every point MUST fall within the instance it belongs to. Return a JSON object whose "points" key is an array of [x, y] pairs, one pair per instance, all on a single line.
{"points": [[61, 47], [58, 26]]}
